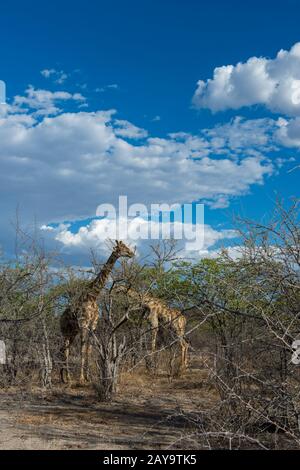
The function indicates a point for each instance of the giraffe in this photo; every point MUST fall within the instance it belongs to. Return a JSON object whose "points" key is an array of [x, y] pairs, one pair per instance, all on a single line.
{"points": [[81, 315], [158, 312]]}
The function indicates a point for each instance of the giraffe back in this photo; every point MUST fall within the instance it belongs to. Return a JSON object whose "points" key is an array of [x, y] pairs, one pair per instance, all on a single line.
{"points": [[159, 312]]}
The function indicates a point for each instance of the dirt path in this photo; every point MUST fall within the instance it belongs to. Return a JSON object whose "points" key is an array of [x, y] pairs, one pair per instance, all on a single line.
{"points": [[146, 415], [20, 431]]}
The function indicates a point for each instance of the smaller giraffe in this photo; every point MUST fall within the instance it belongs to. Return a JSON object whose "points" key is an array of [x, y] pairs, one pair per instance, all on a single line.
{"points": [[158, 312], [82, 314]]}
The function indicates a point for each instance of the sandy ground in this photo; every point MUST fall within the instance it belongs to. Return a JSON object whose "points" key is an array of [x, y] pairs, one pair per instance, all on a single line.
{"points": [[146, 414]]}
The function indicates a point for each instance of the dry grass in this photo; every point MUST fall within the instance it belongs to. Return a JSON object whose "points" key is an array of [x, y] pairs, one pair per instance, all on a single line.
{"points": [[145, 414]]}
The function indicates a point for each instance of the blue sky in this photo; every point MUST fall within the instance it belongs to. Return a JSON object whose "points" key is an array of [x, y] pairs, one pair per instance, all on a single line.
{"points": [[144, 59]]}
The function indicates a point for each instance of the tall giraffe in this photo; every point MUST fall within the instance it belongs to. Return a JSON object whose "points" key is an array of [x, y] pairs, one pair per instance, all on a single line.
{"points": [[82, 314], [158, 312]]}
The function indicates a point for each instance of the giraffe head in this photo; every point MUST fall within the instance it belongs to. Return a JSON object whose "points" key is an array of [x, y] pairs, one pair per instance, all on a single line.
{"points": [[122, 250]]}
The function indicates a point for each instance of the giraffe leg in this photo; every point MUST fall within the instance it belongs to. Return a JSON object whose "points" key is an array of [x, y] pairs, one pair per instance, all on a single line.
{"points": [[150, 357], [87, 359], [64, 371], [83, 353], [184, 358], [153, 344], [153, 340]]}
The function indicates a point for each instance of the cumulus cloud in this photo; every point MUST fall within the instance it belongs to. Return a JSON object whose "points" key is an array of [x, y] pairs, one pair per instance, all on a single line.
{"points": [[234, 252], [66, 165], [62, 165], [240, 135], [288, 133], [274, 83], [138, 230], [44, 102]]}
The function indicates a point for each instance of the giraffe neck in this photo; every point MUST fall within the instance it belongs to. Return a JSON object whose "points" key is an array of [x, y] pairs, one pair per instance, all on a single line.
{"points": [[97, 284], [144, 297]]}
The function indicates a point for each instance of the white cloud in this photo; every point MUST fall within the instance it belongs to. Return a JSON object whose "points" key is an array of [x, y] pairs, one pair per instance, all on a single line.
{"points": [[234, 252], [83, 86], [274, 83], [61, 167], [125, 129], [288, 133], [75, 161], [44, 102], [61, 78], [59, 75], [95, 234], [112, 86], [48, 72], [254, 136]]}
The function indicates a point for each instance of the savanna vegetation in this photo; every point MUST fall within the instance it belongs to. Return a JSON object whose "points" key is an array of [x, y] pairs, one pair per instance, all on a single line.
{"points": [[241, 388]]}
